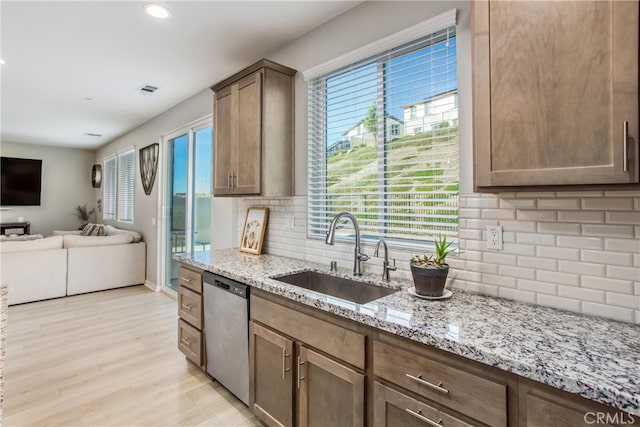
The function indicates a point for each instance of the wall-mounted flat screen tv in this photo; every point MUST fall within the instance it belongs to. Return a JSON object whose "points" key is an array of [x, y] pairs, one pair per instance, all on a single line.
{"points": [[20, 181]]}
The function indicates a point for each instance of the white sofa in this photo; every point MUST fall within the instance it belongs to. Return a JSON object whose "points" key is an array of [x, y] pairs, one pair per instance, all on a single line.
{"points": [[70, 264]]}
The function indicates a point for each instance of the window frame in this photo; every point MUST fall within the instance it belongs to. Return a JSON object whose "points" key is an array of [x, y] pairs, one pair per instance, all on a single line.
{"points": [[319, 106]]}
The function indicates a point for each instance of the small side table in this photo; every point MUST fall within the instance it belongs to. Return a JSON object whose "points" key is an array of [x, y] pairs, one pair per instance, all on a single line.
{"points": [[7, 228]]}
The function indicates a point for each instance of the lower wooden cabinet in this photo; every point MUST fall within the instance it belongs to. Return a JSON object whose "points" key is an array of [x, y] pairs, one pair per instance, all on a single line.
{"points": [[392, 408], [190, 310], [543, 406], [305, 370], [190, 342], [330, 393], [309, 368], [271, 376]]}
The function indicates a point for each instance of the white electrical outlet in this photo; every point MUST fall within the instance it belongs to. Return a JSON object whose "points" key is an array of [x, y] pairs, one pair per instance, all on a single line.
{"points": [[494, 237], [289, 221]]}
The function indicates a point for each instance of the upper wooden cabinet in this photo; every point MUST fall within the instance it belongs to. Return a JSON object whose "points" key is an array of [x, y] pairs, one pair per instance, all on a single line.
{"points": [[253, 128], [555, 93]]}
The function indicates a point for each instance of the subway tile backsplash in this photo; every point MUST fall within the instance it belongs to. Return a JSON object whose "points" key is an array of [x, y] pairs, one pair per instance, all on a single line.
{"points": [[577, 251]]}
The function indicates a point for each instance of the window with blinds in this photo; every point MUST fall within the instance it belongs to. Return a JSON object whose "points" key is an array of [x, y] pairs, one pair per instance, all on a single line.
{"points": [[383, 138], [126, 168], [110, 187]]}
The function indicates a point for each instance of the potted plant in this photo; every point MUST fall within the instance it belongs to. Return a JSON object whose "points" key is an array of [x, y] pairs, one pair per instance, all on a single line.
{"points": [[83, 214], [430, 271]]}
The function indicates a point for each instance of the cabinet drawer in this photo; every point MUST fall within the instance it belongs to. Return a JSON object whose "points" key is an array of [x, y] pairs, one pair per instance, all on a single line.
{"points": [[190, 341], [392, 408], [467, 393], [190, 279], [332, 339], [190, 306]]}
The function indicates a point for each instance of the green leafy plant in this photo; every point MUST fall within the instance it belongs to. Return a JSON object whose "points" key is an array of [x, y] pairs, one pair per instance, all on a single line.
{"points": [[437, 260]]}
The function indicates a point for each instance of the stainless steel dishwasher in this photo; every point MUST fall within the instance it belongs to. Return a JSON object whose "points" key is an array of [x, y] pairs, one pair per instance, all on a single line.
{"points": [[226, 330]]}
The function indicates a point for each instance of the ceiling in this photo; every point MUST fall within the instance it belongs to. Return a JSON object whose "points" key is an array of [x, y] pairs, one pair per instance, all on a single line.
{"points": [[73, 68]]}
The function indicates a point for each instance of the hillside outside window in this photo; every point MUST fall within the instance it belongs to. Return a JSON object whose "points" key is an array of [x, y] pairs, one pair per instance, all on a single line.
{"points": [[377, 152]]}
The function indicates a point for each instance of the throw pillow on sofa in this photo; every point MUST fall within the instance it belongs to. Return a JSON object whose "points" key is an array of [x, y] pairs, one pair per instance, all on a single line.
{"points": [[71, 241], [54, 242], [94, 230]]}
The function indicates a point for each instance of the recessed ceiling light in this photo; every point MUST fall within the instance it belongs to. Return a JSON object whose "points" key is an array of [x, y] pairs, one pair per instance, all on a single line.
{"points": [[157, 11]]}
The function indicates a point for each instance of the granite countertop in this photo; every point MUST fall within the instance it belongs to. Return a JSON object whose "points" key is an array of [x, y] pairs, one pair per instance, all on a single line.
{"points": [[592, 357]]}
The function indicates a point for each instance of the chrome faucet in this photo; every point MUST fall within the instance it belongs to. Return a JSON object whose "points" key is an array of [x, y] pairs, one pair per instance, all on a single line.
{"points": [[386, 267], [331, 236]]}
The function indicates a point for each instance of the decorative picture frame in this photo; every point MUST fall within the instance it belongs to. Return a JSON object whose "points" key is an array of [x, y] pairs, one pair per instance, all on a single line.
{"points": [[255, 225], [149, 166]]}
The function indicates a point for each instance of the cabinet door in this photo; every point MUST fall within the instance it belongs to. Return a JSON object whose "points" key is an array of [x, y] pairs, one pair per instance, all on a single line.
{"points": [[330, 394], [271, 384], [542, 406], [554, 85], [224, 141], [392, 408], [247, 175]]}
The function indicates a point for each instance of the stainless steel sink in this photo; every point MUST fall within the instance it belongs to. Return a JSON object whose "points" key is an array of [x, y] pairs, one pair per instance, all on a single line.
{"points": [[351, 290]]}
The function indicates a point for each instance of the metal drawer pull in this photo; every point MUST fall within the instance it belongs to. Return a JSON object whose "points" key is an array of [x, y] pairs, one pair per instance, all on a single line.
{"points": [[186, 279], [423, 418], [625, 146], [300, 377], [187, 307], [437, 387], [284, 363], [229, 181], [186, 342]]}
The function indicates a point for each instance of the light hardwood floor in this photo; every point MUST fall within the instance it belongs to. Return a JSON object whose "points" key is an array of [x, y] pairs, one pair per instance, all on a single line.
{"points": [[108, 359]]}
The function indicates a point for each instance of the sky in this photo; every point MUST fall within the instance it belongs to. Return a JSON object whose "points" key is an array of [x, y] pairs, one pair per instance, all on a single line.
{"points": [[203, 162]]}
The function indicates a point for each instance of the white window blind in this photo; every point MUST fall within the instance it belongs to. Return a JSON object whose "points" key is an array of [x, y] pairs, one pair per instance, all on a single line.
{"points": [[376, 151], [110, 186], [126, 169]]}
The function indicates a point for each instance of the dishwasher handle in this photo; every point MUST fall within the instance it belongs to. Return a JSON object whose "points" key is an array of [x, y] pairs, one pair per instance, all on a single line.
{"points": [[222, 285]]}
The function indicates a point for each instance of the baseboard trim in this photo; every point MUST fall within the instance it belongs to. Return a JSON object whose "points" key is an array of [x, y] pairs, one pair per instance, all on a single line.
{"points": [[152, 286]]}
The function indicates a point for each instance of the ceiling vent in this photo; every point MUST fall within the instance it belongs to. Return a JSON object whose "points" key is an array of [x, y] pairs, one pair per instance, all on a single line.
{"points": [[147, 89], [97, 135]]}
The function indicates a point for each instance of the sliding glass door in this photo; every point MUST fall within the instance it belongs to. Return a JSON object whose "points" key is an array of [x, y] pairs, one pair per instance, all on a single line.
{"points": [[187, 196]]}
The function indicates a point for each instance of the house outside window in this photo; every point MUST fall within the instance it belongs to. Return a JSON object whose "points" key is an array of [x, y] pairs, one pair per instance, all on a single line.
{"points": [[405, 188]]}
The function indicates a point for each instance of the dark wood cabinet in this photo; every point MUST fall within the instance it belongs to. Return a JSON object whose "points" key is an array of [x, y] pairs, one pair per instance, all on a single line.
{"points": [[543, 406], [253, 132], [271, 376], [190, 311], [305, 371], [555, 93], [330, 393], [393, 408]]}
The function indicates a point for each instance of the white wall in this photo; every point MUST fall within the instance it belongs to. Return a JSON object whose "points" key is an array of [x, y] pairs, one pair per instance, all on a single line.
{"points": [[146, 207], [66, 183], [578, 251]]}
